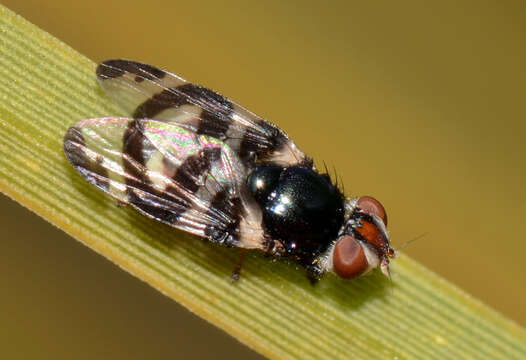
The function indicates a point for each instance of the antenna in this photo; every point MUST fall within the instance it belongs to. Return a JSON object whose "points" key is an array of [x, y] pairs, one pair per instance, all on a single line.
{"points": [[403, 245]]}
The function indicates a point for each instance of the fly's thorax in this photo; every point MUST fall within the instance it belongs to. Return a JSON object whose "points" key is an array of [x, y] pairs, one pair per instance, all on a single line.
{"points": [[301, 208]]}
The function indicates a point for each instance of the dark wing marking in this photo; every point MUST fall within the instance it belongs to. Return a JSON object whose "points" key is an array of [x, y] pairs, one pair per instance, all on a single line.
{"points": [[192, 182], [145, 91]]}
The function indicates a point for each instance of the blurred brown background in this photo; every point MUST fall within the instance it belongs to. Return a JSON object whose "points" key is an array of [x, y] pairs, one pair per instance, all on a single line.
{"points": [[419, 104]]}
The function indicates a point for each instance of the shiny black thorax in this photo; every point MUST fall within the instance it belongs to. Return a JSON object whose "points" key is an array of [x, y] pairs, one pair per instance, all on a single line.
{"points": [[301, 208]]}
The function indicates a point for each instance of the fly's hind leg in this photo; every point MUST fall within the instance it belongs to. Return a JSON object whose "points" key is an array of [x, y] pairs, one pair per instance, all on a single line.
{"points": [[237, 270]]}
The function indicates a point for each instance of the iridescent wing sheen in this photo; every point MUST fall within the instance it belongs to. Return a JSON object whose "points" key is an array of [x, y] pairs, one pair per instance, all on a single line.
{"points": [[190, 181], [145, 91]]}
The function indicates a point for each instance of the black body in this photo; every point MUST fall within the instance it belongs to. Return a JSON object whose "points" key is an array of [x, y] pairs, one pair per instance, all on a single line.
{"points": [[301, 208]]}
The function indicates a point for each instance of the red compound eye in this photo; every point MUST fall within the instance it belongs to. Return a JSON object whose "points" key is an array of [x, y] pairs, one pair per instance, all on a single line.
{"points": [[349, 259], [373, 206]]}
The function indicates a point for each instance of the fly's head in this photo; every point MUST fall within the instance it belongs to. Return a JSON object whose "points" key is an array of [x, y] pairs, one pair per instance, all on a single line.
{"points": [[363, 242]]}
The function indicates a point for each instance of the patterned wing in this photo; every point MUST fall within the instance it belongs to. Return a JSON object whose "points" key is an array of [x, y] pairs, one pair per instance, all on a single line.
{"points": [[148, 92], [190, 181]]}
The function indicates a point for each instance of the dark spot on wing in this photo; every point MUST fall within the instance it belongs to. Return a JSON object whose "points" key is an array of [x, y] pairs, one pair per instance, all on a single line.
{"points": [[216, 109], [166, 99], [94, 172], [109, 70], [212, 125], [261, 140], [137, 150], [102, 180], [195, 167], [157, 207], [73, 144], [201, 95], [232, 210], [117, 67], [134, 152]]}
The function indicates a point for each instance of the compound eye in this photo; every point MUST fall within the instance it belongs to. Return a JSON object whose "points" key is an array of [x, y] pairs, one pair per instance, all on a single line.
{"points": [[372, 206], [349, 259]]}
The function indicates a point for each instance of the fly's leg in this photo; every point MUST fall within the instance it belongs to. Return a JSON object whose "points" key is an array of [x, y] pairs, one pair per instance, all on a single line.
{"points": [[237, 270]]}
